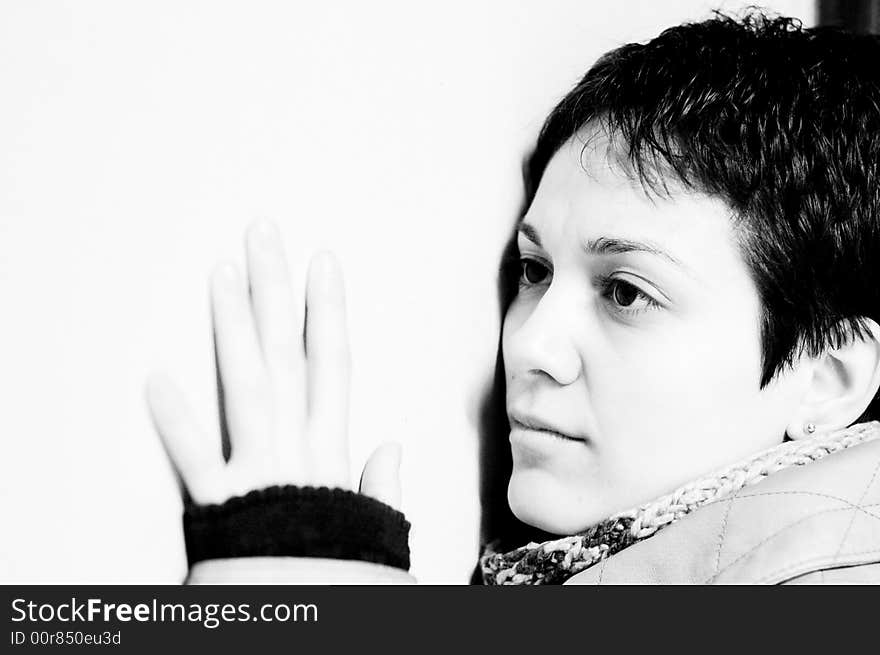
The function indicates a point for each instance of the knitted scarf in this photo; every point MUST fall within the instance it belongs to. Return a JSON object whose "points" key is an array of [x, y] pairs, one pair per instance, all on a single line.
{"points": [[553, 562]]}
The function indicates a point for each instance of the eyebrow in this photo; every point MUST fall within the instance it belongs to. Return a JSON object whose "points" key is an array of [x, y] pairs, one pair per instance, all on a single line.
{"points": [[608, 245]]}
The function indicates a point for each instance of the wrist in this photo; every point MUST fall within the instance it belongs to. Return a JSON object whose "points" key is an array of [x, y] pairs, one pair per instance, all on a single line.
{"points": [[293, 521]]}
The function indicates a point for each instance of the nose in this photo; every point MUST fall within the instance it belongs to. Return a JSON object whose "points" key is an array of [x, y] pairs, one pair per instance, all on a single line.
{"points": [[540, 338]]}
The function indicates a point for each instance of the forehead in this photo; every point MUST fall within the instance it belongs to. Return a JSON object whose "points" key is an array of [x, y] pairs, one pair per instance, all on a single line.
{"points": [[586, 193]]}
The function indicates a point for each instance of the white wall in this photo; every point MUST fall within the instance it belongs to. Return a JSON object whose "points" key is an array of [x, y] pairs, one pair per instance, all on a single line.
{"points": [[136, 142]]}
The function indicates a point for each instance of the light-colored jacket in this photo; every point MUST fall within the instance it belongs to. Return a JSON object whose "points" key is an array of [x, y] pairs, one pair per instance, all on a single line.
{"points": [[818, 523], [812, 524]]}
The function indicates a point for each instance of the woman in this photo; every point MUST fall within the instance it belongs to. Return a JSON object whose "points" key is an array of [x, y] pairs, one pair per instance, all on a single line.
{"points": [[690, 308]]}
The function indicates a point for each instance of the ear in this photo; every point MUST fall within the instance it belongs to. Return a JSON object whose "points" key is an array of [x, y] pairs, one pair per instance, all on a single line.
{"points": [[844, 382]]}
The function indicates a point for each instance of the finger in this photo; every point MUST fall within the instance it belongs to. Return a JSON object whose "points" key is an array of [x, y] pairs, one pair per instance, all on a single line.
{"points": [[195, 456], [247, 400], [277, 312], [328, 366], [381, 476]]}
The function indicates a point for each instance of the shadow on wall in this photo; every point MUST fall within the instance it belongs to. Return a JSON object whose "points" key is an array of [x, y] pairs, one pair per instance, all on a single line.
{"points": [[498, 525]]}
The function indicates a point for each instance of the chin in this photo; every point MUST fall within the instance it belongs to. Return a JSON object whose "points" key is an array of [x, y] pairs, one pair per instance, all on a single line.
{"points": [[540, 500]]}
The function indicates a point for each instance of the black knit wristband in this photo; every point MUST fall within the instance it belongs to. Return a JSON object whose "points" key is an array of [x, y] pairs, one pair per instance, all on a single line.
{"points": [[298, 522]]}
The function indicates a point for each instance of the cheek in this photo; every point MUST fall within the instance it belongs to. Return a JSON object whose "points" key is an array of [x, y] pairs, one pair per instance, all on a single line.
{"points": [[517, 314], [663, 395]]}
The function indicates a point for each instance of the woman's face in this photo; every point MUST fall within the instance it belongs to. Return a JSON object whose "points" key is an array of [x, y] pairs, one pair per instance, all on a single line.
{"points": [[632, 350]]}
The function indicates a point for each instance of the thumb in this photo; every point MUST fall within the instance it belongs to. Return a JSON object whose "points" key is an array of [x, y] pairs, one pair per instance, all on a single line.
{"points": [[381, 476]]}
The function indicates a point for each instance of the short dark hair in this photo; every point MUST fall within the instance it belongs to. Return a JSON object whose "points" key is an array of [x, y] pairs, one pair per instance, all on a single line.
{"points": [[782, 123]]}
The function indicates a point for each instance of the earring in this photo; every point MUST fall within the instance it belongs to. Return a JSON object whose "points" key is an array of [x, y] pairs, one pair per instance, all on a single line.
{"points": [[810, 428]]}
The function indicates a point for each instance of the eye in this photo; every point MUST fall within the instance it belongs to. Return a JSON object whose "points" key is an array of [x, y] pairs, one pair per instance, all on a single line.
{"points": [[624, 294], [532, 272], [626, 297]]}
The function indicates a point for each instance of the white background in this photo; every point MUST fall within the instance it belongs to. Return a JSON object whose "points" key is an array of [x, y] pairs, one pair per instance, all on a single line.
{"points": [[137, 140]]}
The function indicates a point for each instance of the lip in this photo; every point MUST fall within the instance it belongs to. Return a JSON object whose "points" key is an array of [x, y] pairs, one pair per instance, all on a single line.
{"points": [[533, 423]]}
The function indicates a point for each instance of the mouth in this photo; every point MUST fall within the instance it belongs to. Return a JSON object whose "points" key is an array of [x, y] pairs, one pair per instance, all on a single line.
{"points": [[534, 424]]}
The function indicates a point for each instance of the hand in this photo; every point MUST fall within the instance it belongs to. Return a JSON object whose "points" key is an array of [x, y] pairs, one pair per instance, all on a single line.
{"points": [[283, 389]]}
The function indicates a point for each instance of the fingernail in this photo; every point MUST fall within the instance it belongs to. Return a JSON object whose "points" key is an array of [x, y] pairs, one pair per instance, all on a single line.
{"points": [[159, 392], [266, 228], [266, 233], [327, 268], [225, 274], [323, 262]]}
